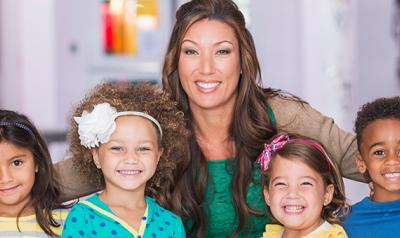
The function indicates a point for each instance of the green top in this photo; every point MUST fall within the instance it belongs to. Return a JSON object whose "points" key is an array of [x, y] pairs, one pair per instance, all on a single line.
{"points": [[222, 214]]}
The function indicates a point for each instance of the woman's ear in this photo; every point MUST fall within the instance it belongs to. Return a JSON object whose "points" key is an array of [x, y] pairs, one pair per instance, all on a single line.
{"points": [[329, 190], [96, 159], [266, 196], [361, 166]]}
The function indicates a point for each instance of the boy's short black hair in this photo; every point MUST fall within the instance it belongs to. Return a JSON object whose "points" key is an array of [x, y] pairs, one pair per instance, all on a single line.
{"points": [[381, 108]]}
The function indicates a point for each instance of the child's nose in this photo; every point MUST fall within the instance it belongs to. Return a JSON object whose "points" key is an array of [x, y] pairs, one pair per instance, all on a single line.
{"points": [[132, 158], [393, 158], [293, 192], [5, 176]]}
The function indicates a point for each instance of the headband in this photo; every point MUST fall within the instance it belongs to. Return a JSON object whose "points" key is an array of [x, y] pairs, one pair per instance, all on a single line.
{"points": [[277, 144], [97, 126], [17, 124]]}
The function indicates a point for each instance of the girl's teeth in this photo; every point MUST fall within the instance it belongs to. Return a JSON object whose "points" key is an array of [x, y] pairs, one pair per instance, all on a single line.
{"points": [[129, 172], [293, 209]]}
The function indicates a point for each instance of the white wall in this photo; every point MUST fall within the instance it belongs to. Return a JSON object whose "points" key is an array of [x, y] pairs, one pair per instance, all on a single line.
{"points": [[27, 60], [336, 55]]}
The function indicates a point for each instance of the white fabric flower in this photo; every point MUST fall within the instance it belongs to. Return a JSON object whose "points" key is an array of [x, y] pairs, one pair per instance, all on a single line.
{"points": [[97, 126]]}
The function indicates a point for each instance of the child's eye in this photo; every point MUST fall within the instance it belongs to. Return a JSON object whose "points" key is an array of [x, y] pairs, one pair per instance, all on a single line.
{"points": [[379, 152], [144, 148], [306, 184], [279, 184], [17, 163], [190, 52], [116, 148], [224, 52]]}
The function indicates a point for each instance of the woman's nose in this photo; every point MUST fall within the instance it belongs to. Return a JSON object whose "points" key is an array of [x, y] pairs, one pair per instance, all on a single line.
{"points": [[207, 64]]}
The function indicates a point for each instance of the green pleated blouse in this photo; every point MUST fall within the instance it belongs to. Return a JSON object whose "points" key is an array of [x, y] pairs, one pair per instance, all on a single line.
{"points": [[222, 214]]}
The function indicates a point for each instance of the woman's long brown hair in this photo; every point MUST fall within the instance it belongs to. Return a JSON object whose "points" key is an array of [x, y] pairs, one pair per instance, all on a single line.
{"points": [[250, 126]]}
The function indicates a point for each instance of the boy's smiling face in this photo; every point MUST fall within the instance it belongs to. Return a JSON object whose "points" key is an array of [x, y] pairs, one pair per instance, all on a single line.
{"points": [[380, 156]]}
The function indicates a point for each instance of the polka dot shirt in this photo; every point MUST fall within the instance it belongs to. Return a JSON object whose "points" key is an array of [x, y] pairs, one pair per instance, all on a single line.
{"points": [[94, 218]]}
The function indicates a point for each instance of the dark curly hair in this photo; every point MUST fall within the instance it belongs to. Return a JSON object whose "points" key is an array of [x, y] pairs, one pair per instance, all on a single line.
{"points": [[381, 108], [152, 100], [18, 130], [319, 161]]}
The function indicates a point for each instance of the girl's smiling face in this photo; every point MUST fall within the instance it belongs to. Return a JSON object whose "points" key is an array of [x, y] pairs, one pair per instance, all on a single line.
{"points": [[296, 195], [129, 159], [17, 176]]}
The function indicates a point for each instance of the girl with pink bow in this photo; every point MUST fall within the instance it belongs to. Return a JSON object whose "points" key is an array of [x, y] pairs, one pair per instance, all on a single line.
{"points": [[303, 189]]}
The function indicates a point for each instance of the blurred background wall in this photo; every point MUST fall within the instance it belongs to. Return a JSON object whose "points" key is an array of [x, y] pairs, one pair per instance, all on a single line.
{"points": [[336, 54]]}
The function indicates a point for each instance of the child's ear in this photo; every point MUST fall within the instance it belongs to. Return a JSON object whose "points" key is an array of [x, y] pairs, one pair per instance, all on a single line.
{"points": [[266, 196], [329, 190], [96, 159], [361, 166], [160, 152]]}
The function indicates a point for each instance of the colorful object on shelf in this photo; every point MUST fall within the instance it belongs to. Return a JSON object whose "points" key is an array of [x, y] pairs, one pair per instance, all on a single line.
{"points": [[123, 19]]}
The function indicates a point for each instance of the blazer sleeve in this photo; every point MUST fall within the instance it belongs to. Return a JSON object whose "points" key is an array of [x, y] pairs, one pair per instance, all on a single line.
{"points": [[300, 118], [73, 185]]}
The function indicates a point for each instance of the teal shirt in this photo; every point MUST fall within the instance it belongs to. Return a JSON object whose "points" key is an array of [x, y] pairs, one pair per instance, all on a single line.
{"points": [[96, 219], [222, 214]]}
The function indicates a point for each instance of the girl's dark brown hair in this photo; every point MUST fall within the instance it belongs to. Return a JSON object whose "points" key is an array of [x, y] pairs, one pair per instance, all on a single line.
{"points": [[18, 130], [250, 126], [318, 160], [141, 97]]}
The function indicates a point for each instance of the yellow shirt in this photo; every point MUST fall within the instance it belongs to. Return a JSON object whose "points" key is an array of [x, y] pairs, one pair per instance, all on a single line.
{"points": [[29, 228], [331, 231]]}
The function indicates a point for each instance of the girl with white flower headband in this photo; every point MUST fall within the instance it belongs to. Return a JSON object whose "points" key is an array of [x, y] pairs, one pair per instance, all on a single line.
{"points": [[118, 136], [303, 189]]}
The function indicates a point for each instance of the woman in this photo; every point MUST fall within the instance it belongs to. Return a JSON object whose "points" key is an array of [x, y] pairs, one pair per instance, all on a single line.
{"points": [[212, 71]]}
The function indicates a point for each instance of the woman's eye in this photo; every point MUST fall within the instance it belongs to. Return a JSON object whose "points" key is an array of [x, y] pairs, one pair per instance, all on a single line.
{"points": [[224, 52], [190, 52], [17, 162]]}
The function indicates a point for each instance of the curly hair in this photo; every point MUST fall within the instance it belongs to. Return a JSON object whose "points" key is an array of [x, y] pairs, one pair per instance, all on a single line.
{"points": [[381, 108], [152, 100], [18, 130], [319, 161], [251, 125]]}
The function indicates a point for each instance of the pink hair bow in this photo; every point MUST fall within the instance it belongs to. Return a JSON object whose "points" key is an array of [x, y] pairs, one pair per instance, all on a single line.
{"points": [[266, 155]]}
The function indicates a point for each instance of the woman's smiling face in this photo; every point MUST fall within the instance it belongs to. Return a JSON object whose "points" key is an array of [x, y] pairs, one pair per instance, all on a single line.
{"points": [[209, 64]]}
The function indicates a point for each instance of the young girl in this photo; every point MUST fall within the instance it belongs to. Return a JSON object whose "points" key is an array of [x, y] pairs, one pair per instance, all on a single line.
{"points": [[28, 187], [303, 189], [118, 136]]}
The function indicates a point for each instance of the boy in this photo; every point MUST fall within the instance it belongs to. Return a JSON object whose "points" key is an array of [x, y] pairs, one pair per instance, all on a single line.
{"points": [[378, 136]]}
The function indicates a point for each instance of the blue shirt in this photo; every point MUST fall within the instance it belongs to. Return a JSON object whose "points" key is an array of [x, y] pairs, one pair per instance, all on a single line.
{"points": [[370, 219], [93, 218]]}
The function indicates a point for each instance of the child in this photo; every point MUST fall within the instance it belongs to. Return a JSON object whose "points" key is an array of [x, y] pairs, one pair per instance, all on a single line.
{"points": [[118, 136], [378, 136], [28, 187], [303, 189]]}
